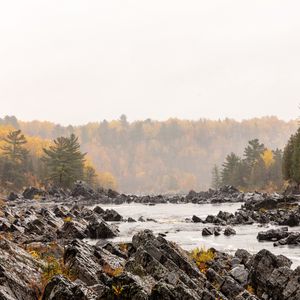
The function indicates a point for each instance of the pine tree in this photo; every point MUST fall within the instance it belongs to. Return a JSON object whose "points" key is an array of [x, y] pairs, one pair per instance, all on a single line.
{"points": [[253, 152], [216, 178], [15, 163], [287, 164], [13, 148], [231, 173], [64, 161]]}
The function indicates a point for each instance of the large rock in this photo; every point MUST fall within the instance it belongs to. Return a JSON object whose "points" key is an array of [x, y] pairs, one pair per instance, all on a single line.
{"points": [[240, 274], [19, 272], [273, 234], [101, 230], [72, 230], [111, 215]]}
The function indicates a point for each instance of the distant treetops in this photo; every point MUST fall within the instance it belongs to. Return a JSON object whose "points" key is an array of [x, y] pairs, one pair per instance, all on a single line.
{"points": [[61, 163], [259, 168]]}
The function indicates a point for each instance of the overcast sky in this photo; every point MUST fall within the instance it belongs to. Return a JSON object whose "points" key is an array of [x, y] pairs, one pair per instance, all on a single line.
{"points": [[73, 61]]}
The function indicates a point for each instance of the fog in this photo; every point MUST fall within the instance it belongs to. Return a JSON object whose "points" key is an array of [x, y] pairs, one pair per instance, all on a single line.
{"points": [[78, 61]]}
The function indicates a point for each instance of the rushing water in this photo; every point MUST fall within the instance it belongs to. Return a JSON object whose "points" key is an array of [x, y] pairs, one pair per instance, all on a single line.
{"points": [[171, 219]]}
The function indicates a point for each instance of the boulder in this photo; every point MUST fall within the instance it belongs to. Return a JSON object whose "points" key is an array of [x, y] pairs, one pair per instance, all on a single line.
{"points": [[273, 234], [229, 231], [196, 219], [111, 215], [240, 274], [101, 230]]}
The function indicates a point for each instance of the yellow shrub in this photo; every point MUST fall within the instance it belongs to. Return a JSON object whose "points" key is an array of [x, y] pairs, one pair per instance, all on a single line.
{"points": [[117, 290], [201, 257], [250, 289], [68, 219]]}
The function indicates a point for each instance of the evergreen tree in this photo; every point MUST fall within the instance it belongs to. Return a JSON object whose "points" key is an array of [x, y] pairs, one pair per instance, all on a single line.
{"points": [[64, 161], [231, 173], [14, 147], [216, 178], [287, 164], [15, 161], [253, 152]]}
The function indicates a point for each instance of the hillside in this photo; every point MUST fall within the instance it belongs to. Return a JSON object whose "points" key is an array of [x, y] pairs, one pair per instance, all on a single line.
{"points": [[174, 155]]}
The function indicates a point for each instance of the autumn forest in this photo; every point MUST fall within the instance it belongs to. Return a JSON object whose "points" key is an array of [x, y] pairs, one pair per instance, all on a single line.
{"points": [[151, 156]]}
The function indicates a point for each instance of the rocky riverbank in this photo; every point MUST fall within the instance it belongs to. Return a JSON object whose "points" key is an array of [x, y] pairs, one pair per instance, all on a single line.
{"points": [[85, 195], [45, 251]]}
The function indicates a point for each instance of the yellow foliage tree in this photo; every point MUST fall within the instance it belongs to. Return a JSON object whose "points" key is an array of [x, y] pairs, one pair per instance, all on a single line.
{"points": [[268, 158]]}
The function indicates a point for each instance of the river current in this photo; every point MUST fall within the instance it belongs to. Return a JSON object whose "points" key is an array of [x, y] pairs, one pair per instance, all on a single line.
{"points": [[170, 219]]}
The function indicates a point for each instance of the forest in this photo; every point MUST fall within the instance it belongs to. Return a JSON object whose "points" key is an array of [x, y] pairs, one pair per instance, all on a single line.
{"points": [[157, 156]]}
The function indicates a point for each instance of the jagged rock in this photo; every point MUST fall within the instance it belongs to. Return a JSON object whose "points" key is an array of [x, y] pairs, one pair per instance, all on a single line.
{"points": [[18, 271], [60, 288], [231, 288], [31, 192], [101, 230], [240, 274], [99, 210], [131, 220], [229, 231], [263, 265], [111, 215], [243, 255], [72, 230], [273, 234], [292, 220], [196, 219], [207, 231], [81, 189], [12, 196], [86, 262], [293, 238]]}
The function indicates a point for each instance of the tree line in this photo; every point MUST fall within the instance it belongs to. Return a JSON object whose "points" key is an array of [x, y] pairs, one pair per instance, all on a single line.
{"points": [[160, 156], [61, 164], [260, 168]]}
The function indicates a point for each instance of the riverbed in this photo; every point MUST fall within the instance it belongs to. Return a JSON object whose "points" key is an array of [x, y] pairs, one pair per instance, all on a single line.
{"points": [[172, 220]]}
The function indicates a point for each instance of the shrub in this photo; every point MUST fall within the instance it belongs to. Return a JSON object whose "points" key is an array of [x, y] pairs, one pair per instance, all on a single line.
{"points": [[202, 257], [68, 219], [117, 290]]}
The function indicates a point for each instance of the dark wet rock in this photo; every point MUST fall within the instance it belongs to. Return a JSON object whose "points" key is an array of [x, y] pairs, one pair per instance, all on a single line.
{"points": [[240, 274], [101, 230], [206, 231], [231, 288], [31, 192], [292, 220], [99, 210], [18, 273], [273, 234], [269, 276], [81, 189], [60, 288], [229, 231], [293, 238], [243, 255], [72, 230], [12, 196], [86, 262], [111, 215], [196, 219], [131, 220]]}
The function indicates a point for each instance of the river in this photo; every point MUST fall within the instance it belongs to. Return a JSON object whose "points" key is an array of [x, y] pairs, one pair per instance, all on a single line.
{"points": [[171, 219]]}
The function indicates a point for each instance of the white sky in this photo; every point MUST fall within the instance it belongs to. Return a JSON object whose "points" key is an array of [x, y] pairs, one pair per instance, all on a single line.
{"points": [[72, 61]]}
